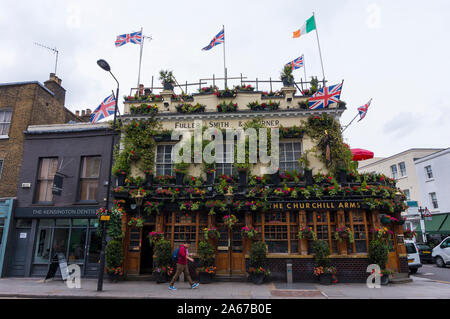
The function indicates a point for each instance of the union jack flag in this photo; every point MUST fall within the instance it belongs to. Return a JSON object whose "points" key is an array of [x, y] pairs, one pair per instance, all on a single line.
{"points": [[297, 63], [135, 37], [363, 110], [325, 96], [105, 109], [218, 39]]}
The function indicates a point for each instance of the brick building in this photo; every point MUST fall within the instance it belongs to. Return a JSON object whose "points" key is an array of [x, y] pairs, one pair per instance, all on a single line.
{"points": [[23, 104]]}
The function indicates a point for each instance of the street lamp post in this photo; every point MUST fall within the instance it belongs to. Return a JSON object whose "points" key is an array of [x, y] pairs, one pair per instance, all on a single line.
{"points": [[422, 221], [105, 66]]}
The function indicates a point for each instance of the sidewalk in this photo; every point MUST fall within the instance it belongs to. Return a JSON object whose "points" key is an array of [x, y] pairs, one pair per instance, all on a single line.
{"points": [[35, 288]]}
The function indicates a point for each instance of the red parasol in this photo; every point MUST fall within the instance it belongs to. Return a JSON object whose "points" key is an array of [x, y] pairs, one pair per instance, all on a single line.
{"points": [[359, 154]]}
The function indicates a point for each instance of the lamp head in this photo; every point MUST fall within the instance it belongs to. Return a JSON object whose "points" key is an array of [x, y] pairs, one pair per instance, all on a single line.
{"points": [[104, 65]]}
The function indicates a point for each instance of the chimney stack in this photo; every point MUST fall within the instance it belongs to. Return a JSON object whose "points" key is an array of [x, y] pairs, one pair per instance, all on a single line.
{"points": [[54, 85], [77, 113], [83, 112]]}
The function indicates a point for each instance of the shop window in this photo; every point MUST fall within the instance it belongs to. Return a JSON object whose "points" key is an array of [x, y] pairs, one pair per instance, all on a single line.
{"points": [[276, 232], [289, 155], [43, 242], [23, 223], [47, 170], [95, 246], [164, 162], [89, 178], [78, 240], [5, 122], [324, 225], [61, 237]]}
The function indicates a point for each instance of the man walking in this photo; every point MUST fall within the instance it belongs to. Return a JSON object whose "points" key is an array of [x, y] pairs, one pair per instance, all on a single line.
{"points": [[183, 257]]}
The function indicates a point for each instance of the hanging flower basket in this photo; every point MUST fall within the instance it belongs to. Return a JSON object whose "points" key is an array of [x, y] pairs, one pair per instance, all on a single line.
{"points": [[230, 220], [211, 233], [154, 237], [343, 233], [136, 222], [409, 234], [249, 232], [307, 233]]}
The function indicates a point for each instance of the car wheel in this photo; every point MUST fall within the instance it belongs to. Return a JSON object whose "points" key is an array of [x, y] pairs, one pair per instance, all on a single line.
{"points": [[413, 270], [440, 262]]}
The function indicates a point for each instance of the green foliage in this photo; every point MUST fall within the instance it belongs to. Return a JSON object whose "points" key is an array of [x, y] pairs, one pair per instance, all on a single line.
{"points": [[321, 253], [114, 254], [115, 225], [163, 253], [378, 253], [286, 73], [314, 84], [317, 127], [206, 253], [258, 254], [166, 76]]}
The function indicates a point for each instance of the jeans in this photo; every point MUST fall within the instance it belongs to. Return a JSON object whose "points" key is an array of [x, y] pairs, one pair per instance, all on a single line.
{"points": [[180, 269]]}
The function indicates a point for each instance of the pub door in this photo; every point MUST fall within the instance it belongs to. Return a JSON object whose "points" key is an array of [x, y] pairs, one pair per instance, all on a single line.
{"points": [[230, 256], [393, 262]]}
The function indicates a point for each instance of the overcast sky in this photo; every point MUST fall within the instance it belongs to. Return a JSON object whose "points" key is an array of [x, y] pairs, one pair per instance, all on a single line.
{"points": [[396, 52]]}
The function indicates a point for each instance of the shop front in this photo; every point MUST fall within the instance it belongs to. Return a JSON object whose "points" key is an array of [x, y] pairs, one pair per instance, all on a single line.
{"points": [[39, 233]]}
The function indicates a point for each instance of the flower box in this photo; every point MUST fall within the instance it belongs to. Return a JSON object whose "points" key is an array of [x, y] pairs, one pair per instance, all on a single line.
{"points": [[205, 278]]}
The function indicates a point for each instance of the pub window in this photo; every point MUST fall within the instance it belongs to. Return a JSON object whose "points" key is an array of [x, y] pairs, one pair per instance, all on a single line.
{"points": [[90, 173], [293, 225], [164, 163], [358, 223], [183, 227], [5, 122], [290, 153], [47, 170], [224, 161], [276, 231], [324, 225]]}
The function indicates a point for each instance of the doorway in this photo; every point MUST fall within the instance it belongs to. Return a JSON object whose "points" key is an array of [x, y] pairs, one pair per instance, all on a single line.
{"points": [[230, 255], [21, 241], [393, 262], [147, 251]]}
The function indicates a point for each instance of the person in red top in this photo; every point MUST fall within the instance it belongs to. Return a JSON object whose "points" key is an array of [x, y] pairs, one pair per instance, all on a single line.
{"points": [[183, 257]]}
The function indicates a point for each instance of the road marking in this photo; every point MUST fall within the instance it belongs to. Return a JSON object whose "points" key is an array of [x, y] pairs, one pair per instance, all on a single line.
{"points": [[428, 274]]}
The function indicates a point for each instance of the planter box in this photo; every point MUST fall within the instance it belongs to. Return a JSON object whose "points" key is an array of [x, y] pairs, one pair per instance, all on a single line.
{"points": [[308, 177], [242, 178], [161, 278], [179, 178], [209, 178], [148, 180], [325, 279], [258, 279], [121, 180], [121, 195], [276, 178], [205, 278]]}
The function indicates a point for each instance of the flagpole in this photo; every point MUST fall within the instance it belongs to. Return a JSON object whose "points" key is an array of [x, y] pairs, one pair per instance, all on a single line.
{"points": [[224, 65], [320, 52], [304, 68], [354, 118], [140, 58]]}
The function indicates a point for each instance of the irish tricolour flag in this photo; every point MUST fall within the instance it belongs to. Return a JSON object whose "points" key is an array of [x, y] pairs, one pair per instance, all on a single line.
{"points": [[307, 27]]}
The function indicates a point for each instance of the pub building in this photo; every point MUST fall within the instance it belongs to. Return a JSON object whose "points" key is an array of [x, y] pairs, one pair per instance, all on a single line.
{"points": [[183, 211], [63, 181]]}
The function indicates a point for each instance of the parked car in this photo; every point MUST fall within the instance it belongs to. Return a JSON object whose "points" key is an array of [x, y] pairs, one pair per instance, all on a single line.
{"points": [[425, 253], [441, 253], [413, 256]]}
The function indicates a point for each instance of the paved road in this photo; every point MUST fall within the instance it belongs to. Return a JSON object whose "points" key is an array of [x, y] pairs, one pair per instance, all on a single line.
{"points": [[433, 272]]}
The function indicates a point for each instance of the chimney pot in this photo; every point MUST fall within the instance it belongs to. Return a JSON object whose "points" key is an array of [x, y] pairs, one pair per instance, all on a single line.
{"points": [[83, 112], [77, 113]]}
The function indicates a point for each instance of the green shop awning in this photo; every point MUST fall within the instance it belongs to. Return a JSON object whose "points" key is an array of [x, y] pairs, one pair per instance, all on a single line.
{"points": [[433, 226], [445, 227]]}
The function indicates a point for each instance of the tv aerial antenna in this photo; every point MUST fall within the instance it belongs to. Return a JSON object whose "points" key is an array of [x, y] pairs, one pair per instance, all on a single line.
{"points": [[54, 50]]}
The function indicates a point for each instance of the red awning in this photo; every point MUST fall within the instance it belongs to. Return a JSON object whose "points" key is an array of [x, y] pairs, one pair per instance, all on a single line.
{"points": [[359, 154]]}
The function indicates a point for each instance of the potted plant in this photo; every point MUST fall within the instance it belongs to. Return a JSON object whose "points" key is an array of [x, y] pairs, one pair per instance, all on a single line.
{"points": [[325, 272], [409, 234], [136, 222], [154, 237], [167, 79], [385, 274], [258, 255], [180, 172], [242, 170], [206, 256], [210, 176], [378, 254], [121, 175], [114, 258], [286, 76], [275, 177], [163, 259]]}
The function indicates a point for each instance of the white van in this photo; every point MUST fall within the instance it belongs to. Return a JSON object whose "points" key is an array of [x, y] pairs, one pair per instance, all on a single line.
{"points": [[441, 253], [413, 256]]}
